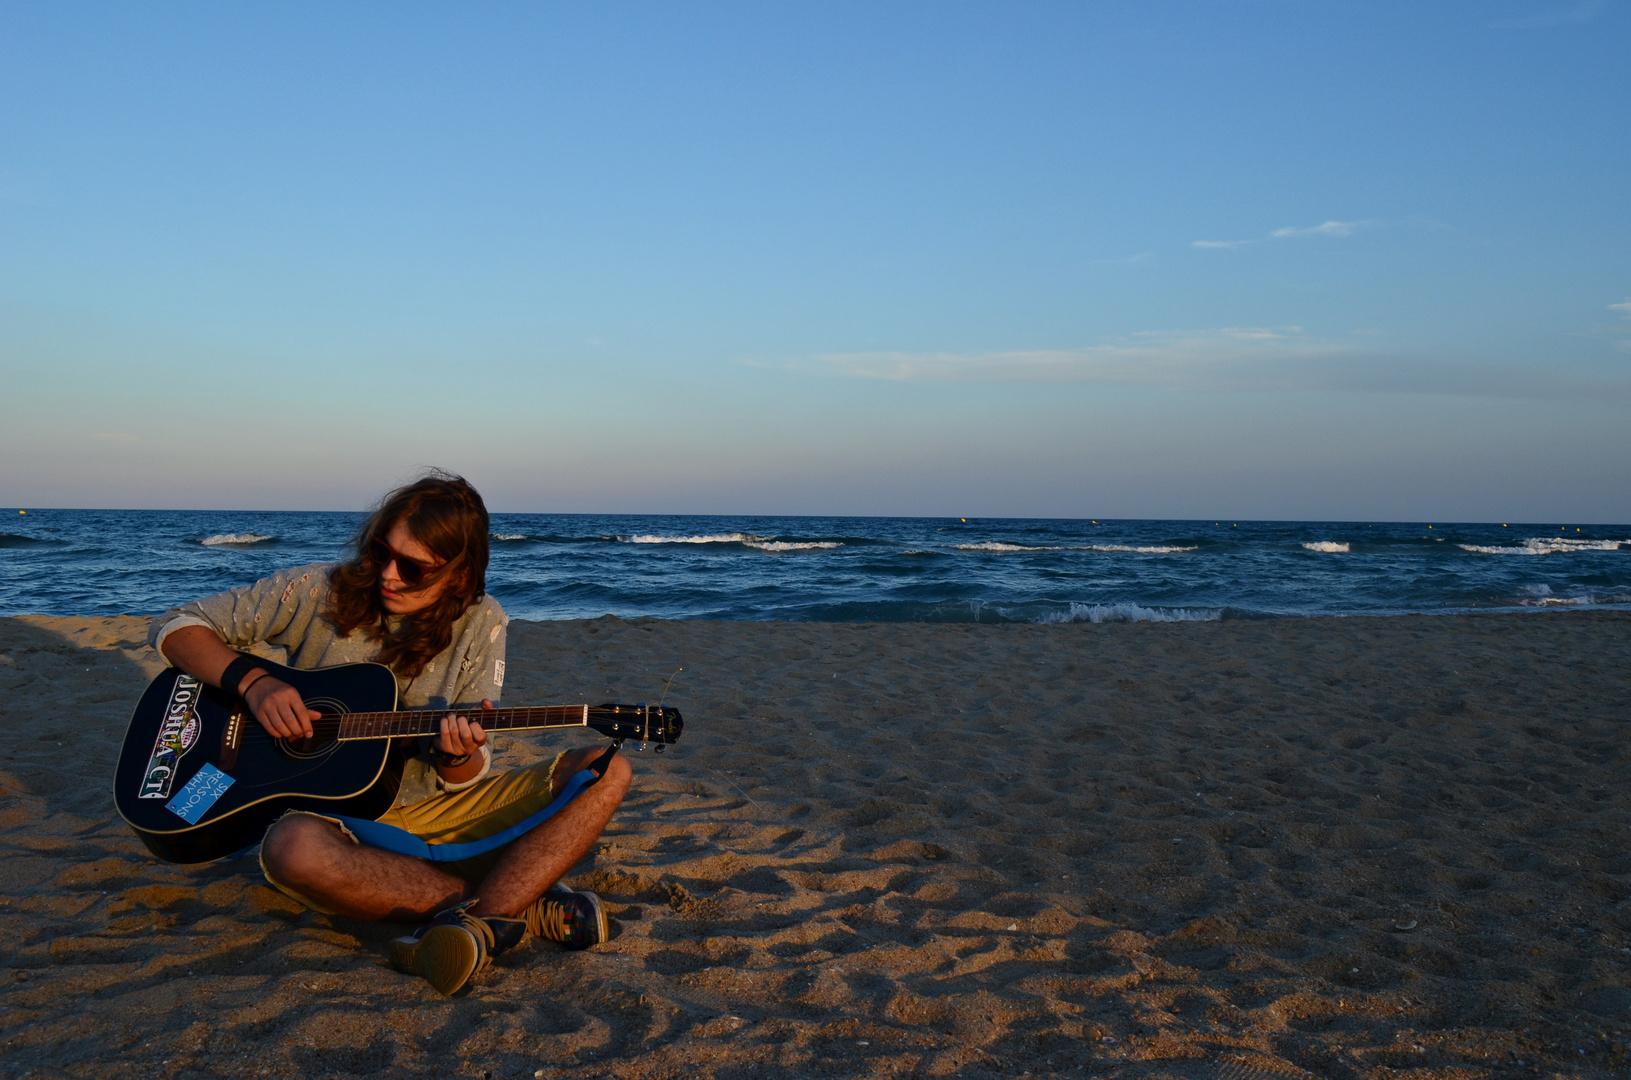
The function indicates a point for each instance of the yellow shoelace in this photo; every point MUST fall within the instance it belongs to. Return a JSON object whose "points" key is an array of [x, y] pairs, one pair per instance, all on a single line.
{"points": [[547, 918]]}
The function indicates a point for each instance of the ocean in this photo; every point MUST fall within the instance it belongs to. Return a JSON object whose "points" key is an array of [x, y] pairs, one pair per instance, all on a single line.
{"points": [[575, 566]]}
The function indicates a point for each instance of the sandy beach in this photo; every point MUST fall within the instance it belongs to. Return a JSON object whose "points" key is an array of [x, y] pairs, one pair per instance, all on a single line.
{"points": [[1330, 847]]}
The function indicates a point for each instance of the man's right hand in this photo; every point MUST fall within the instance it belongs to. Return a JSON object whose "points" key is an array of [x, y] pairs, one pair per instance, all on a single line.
{"points": [[280, 708], [199, 651]]}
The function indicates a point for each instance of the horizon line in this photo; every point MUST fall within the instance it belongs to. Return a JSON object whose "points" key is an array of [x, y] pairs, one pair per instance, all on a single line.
{"points": [[961, 518]]}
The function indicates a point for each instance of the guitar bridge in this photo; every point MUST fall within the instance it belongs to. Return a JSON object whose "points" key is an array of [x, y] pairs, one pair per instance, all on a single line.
{"points": [[231, 735]]}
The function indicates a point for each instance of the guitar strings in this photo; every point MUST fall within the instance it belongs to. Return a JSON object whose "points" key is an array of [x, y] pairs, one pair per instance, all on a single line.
{"points": [[335, 721], [331, 728], [330, 725]]}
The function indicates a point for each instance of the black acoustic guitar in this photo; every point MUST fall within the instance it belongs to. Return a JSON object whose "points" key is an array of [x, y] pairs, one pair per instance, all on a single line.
{"points": [[199, 778]]}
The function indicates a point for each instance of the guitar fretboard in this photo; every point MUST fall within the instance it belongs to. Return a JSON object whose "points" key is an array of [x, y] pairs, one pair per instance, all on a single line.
{"points": [[393, 725]]}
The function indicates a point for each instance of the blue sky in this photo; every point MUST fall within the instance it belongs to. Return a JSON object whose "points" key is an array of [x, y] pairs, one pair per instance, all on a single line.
{"points": [[1268, 260]]}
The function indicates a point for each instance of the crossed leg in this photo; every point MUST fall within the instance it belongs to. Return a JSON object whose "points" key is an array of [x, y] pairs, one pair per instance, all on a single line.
{"points": [[316, 859]]}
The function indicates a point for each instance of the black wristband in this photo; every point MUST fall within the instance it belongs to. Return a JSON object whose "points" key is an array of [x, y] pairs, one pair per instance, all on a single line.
{"points": [[445, 760], [235, 672]]}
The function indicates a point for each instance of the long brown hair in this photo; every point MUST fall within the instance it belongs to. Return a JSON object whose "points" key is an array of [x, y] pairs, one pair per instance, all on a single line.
{"points": [[444, 513]]}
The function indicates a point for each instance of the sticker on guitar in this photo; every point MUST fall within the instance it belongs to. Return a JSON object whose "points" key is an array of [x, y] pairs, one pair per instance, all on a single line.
{"points": [[199, 794], [176, 736]]}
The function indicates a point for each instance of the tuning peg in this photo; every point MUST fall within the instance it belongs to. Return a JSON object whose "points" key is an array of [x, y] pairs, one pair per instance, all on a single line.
{"points": [[661, 747], [642, 744]]}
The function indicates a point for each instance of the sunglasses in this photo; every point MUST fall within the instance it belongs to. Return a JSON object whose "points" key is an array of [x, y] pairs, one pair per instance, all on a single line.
{"points": [[412, 571]]}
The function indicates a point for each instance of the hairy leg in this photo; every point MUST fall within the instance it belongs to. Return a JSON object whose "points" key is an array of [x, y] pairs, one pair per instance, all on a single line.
{"points": [[537, 860], [312, 857]]}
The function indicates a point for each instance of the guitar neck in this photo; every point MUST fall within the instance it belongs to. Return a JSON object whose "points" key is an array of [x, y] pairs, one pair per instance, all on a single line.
{"points": [[395, 725]]}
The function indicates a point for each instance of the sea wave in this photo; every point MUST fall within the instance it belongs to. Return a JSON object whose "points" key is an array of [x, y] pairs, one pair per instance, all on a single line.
{"points": [[1542, 596], [791, 545], [1103, 613], [236, 540], [1584, 600], [12, 540], [746, 539], [1153, 549], [1156, 549], [1330, 547], [553, 538], [710, 538], [993, 545], [1546, 545]]}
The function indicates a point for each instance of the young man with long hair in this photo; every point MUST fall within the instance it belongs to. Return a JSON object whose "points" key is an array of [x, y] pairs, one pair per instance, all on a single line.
{"points": [[412, 596]]}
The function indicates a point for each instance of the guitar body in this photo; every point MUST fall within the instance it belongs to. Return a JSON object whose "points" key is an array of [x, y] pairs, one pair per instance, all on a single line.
{"points": [[198, 777]]}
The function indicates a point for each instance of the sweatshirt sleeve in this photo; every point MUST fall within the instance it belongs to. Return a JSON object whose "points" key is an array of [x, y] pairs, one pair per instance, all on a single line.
{"points": [[267, 611]]}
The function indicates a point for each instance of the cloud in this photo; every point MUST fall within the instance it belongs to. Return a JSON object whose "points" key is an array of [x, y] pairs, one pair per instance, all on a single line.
{"points": [[1329, 228], [1208, 358], [1569, 15], [1228, 360], [1289, 232], [1624, 344]]}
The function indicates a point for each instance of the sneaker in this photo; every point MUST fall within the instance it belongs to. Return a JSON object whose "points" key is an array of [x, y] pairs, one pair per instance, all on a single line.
{"points": [[573, 917], [454, 945]]}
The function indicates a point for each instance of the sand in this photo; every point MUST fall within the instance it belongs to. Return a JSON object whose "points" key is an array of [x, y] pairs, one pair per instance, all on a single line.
{"points": [[1332, 847]]}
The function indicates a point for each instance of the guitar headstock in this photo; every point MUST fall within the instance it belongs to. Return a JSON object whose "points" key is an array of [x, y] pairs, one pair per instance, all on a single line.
{"points": [[658, 724]]}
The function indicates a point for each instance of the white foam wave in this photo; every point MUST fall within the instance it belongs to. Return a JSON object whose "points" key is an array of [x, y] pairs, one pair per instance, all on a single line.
{"points": [[1546, 545], [1103, 613], [509, 536], [1588, 600], [789, 545], [1330, 547], [1542, 596], [1159, 549], [710, 538], [995, 545], [235, 539]]}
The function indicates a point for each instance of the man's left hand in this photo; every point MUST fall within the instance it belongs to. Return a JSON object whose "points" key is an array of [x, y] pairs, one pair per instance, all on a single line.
{"points": [[461, 736]]}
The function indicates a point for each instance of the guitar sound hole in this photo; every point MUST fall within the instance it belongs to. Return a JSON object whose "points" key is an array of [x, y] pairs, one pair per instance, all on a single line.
{"points": [[322, 740], [316, 746]]}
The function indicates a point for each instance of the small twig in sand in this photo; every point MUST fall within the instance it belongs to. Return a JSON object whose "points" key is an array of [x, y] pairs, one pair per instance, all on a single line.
{"points": [[666, 685], [732, 783]]}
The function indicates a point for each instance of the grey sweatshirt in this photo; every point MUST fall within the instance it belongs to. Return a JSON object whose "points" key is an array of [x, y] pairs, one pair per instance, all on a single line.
{"points": [[284, 612]]}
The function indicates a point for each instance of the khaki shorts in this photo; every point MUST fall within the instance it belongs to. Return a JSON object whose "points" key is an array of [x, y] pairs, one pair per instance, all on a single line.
{"points": [[457, 817]]}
